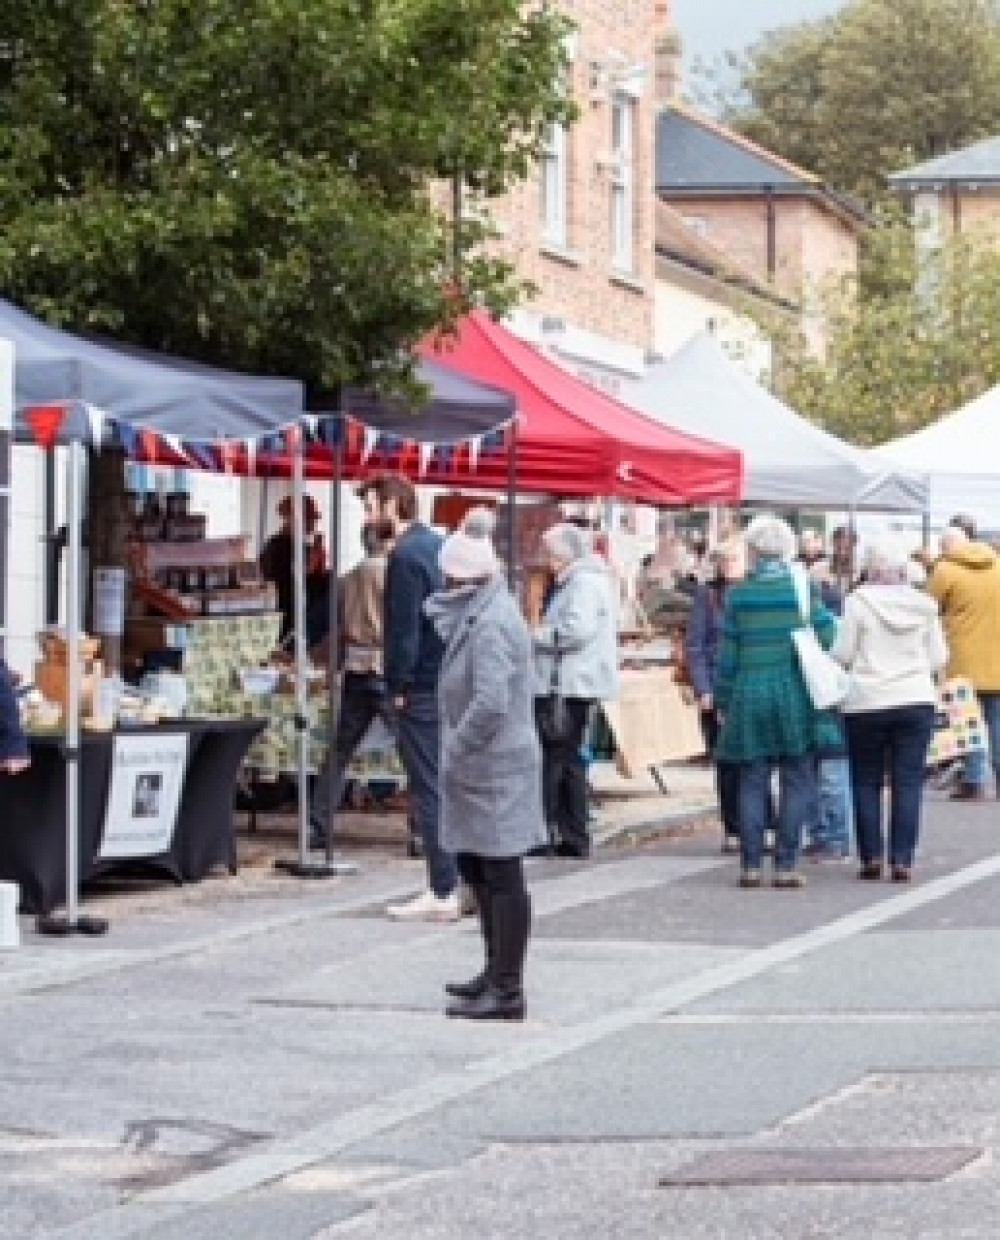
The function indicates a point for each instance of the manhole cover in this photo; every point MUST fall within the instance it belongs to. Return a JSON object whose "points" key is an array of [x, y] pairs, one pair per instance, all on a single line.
{"points": [[836, 1165]]}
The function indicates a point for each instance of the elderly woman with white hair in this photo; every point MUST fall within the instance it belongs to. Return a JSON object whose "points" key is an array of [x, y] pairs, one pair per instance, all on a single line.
{"points": [[892, 643], [576, 659], [768, 719], [490, 787]]}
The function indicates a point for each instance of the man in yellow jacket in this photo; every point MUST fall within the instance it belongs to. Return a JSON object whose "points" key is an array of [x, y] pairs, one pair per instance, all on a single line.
{"points": [[966, 583]]}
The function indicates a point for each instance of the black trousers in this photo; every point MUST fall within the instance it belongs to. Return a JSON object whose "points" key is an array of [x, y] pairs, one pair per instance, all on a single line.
{"points": [[504, 909], [564, 781], [727, 777]]}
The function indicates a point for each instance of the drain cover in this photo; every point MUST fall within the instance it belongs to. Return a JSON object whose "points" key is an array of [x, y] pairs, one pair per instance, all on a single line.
{"points": [[835, 1165]]}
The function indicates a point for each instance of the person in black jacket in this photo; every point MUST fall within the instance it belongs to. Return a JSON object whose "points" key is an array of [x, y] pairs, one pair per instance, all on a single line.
{"points": [[703, 647], [14, 753], [412, 665]]}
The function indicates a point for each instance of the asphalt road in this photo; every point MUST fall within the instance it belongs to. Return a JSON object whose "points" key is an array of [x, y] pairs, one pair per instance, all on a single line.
{"points": [[264, 1059]]}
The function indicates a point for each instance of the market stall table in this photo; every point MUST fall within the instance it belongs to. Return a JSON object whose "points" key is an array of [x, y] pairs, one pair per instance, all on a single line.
{"points": [[159, 796]]}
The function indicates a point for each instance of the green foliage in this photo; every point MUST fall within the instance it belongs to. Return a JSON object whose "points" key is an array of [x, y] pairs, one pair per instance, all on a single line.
{"points": [[907, 344], [250, 181], [880, 86]]}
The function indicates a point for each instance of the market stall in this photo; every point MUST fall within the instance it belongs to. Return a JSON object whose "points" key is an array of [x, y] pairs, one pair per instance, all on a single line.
{"points": [[76, 392]]}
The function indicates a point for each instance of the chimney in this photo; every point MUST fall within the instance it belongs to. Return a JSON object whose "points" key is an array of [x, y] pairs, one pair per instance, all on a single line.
{"points": [[667, 54]]}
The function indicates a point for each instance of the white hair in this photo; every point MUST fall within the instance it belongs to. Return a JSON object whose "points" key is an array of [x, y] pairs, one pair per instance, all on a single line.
{"points": [[953, 538], [567, 542], [768, 537], [886, 560]]}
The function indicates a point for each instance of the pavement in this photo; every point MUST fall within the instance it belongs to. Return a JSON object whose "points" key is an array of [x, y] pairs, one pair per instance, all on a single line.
{"points": [[266, 1058]]}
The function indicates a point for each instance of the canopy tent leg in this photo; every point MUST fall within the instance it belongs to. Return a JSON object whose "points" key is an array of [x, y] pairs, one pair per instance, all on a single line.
{"points": [[303, 866], [71, 922], [333, 666], [512, 455]]}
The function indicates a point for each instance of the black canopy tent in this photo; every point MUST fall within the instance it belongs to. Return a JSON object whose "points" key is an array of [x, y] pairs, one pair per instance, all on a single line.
{"points": [[89, 389]]}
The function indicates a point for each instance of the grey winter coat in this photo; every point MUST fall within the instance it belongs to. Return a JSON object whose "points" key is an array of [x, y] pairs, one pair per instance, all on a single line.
{"points": [[491, 766], [582, 615]]}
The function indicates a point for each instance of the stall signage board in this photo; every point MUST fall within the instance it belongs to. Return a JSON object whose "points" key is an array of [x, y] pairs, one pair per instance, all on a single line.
{"points": [[147, 777]]}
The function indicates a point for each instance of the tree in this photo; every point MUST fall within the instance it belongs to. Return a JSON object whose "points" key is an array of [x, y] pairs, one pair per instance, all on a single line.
{"points": [[908, 340], [249, 182], [880, 86]]}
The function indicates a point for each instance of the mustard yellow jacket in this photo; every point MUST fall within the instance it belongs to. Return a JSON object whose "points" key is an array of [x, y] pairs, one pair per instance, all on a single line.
{"points": [[966, 584]]}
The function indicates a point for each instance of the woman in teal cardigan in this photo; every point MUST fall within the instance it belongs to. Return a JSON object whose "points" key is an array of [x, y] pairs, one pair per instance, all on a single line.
{"points": [[768, 719]]}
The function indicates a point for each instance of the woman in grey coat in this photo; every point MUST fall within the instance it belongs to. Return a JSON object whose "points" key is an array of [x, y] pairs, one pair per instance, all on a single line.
{"points": [[576, 657], [490, 782]]}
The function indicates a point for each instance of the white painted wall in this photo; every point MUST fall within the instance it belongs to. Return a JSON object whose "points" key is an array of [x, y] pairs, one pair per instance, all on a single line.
{"points": [[682, 313]]}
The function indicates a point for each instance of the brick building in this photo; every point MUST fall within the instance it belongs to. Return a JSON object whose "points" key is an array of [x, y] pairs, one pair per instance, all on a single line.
{"points": [[958, 193], [777, 223], [582, 229]]}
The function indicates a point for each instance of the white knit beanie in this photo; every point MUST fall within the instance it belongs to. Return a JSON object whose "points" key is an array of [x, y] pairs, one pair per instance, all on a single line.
{"points": [[468, 554]]}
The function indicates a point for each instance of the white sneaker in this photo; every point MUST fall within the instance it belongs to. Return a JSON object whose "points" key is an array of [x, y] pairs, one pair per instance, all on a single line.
{"points": [[427, 907]]}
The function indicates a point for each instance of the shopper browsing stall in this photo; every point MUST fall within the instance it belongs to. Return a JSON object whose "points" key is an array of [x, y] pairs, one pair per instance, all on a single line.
{"points": [[15, 755], [491, 805], [576, 656], [413, 653]]}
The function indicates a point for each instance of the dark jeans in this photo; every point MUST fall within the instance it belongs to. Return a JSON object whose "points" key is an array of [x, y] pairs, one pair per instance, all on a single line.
{"points": [[504, 915], [894, 740], [796, 802], [418, 736], [362, 701], [564, 781], [727, 777]]}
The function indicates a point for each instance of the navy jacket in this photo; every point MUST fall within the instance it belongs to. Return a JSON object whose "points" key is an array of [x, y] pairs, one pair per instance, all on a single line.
{"points": [[413, 650], [13, 742], [704, 636]]}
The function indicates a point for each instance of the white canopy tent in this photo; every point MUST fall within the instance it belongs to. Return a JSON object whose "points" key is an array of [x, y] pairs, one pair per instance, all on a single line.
{"points": [[960, 454], [790, 462]]}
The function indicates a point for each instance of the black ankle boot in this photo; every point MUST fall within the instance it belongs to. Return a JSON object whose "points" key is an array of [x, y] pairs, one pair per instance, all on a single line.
{"points": [[477, 985], [471, 989], [492, 1004]]}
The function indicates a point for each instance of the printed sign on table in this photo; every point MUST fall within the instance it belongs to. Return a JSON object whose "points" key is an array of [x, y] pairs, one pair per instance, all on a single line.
{"points": [[147, 776]]}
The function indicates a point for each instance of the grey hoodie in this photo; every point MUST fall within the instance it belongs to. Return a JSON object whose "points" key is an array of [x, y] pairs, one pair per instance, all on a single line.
{"points": [[892, 643]]}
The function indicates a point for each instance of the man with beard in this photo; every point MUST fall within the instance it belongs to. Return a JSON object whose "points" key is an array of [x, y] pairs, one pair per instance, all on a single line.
{"points": [[412, 663]]}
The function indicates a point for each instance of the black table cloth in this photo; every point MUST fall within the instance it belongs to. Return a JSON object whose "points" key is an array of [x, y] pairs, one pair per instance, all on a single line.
{"points": [[33, 809]]}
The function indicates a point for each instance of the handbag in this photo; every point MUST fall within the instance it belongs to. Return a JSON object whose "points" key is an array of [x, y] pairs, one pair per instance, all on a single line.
{"points": [[551, 712], [827, 683]]}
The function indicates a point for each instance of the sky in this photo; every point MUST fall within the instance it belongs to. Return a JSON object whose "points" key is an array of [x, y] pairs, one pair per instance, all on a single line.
{"points": [[708, 28]]}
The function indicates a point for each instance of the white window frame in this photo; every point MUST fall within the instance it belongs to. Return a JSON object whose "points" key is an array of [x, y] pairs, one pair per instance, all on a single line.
{"points": [[623, 110], [553, 187]]}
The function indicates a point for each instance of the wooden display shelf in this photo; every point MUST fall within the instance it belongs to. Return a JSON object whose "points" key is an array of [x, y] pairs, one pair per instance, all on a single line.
{"points": [[152, 557]]}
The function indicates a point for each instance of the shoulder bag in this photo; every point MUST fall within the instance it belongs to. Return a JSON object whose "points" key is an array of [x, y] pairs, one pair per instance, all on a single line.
{"points": [[827, 683], [551, 714]]}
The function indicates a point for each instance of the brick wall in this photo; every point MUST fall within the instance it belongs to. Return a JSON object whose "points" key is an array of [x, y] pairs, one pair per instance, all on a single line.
{"points": [[578, 282]]}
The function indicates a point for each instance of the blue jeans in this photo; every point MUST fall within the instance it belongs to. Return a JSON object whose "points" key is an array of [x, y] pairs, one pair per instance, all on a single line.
{"points": [[896, 740], [418, 736], [796, 800], [977, 764], [834, 822]]}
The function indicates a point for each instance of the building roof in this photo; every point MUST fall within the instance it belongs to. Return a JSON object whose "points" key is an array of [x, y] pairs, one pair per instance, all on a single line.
{"points": [[698, 157], [975, 164], [677, 241]]}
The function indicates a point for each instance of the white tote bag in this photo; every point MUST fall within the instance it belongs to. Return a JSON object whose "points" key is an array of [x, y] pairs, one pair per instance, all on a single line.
{"points": [[827, 683]]}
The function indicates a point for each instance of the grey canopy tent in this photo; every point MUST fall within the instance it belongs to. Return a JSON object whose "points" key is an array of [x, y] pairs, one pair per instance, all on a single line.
{"points": [[790, 462]]}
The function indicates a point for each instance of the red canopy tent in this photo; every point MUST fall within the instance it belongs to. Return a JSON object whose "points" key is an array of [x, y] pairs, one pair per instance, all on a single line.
{"points": [[574, 440]]}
